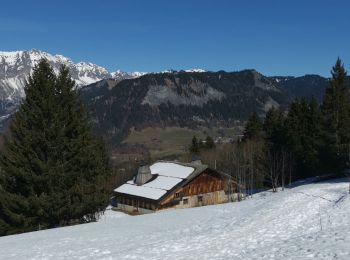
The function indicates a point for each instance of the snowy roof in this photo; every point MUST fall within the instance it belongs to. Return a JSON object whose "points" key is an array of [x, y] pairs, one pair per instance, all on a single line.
{"points": [[167, 176], [171, 169], [163, 182], [141, 191]]}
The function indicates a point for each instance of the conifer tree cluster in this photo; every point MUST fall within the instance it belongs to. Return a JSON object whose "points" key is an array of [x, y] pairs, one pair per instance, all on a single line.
{"points": [[316, 137], [52, 169], [196, 144]]}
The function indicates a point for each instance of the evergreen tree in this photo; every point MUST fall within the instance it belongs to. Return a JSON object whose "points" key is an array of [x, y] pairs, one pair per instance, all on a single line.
{"points": [[336, 119], [194, 145], [253, 128], [313, 141], [12, 219], [274, 127], [209, 142], [51, 162], [303, 136]]}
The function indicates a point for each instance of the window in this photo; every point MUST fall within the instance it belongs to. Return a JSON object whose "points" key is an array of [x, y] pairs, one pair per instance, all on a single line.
{"points": [[200, 199], [177, 195], [185, 201]]}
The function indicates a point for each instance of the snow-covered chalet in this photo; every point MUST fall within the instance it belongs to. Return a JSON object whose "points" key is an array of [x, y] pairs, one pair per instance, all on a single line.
{"points": [[174, 185]]}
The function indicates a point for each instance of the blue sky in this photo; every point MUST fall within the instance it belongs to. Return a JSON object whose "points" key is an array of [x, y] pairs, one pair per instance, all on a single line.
{"points": [[274, 37]]}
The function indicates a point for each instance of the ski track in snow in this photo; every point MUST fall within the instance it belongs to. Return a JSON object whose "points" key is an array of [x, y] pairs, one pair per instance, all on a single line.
{"points": [[308, 221]]}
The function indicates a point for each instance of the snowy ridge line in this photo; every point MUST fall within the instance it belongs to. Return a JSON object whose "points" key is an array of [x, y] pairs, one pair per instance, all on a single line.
{"points": [[17, 66]]}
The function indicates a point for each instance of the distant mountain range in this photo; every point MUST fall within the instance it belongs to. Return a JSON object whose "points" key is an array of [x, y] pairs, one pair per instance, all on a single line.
{"points": [[17, 65], [119, 101], [190, 99]]}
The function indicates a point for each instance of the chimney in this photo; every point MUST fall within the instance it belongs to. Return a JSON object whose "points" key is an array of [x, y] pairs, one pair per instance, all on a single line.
{"points": [[143, 175]]}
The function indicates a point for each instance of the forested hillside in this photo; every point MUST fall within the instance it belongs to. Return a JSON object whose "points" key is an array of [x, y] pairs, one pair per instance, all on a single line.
{"points": [[208, 99]]}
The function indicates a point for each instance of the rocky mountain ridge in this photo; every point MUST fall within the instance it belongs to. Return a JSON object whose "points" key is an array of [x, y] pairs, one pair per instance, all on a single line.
{"points": [[16, 66]]}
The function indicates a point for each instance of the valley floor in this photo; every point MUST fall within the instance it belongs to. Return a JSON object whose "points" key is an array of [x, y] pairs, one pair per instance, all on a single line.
{"points": [[308, 221]]}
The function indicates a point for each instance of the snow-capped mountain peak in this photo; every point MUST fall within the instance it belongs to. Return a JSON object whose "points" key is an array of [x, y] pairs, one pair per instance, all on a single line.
{"points": [[196, 70], [119, 74], [188, 71], [16, 66]]}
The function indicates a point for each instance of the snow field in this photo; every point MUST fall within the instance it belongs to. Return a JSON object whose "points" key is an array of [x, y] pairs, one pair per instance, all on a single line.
{"points": [[308, 221]]}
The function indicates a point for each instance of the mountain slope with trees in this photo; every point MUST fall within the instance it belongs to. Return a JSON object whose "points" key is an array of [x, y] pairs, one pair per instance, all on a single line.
{"points": [[308, 86], [208, 99]]}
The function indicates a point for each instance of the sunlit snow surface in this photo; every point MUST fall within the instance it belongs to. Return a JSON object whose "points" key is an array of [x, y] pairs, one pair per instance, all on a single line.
{"points": [[171, 169], [141, 191], [308, 221]]}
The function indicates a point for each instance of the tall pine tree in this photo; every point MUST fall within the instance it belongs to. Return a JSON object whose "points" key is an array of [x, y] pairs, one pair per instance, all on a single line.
{"points": [[51, 163], [336, 119], [303, 136], [253, 128], [274, 127], [194, 148]]}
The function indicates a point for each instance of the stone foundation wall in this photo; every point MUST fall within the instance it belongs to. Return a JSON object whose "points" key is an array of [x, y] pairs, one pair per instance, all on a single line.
{"points": [[204, 199], [133, 210]]}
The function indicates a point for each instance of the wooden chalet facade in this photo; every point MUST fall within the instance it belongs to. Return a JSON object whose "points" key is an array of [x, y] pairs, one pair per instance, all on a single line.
{"points": [[175, 185]]}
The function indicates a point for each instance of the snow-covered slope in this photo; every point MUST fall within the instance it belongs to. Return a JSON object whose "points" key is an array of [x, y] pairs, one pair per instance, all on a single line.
{"points": [[308, 221]]}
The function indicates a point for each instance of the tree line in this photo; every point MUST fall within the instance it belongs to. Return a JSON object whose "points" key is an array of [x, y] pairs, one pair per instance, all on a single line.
{"points": [[196, 144], [307, 139]]}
